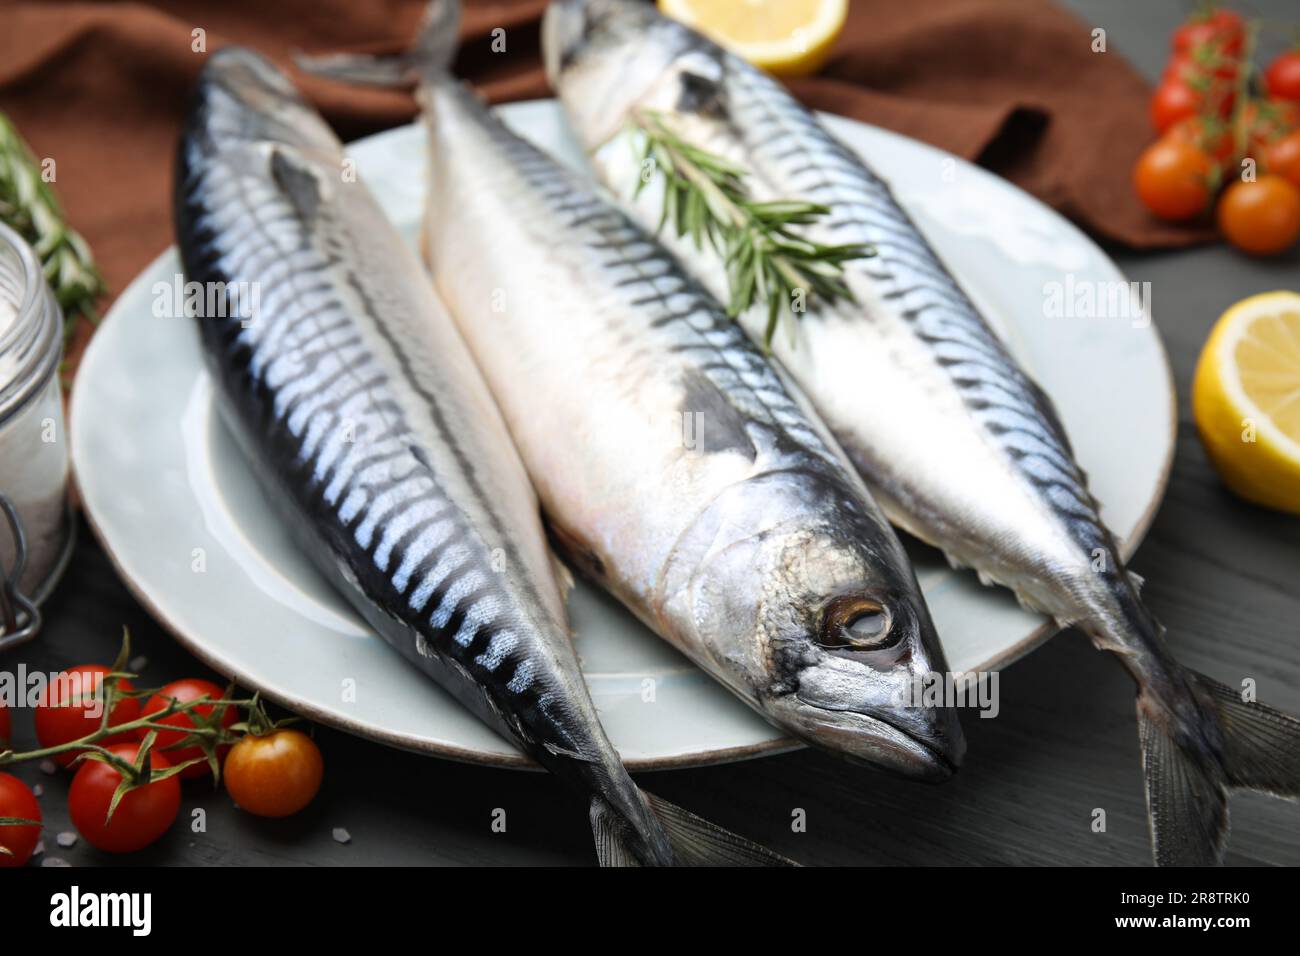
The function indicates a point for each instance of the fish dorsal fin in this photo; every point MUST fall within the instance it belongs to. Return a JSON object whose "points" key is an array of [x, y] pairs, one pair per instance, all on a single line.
{"points": [[300, 181]]}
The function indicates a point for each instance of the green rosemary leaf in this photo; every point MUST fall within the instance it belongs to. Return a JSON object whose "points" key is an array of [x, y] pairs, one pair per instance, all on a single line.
{"points": [[30, 207], [767, 258]]}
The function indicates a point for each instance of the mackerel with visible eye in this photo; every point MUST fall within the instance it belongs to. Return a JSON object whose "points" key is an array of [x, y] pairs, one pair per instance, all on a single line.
{"points": [[858, 623]]}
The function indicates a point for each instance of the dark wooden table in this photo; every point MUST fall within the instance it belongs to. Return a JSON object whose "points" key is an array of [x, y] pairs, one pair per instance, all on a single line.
{"points": [[1222, 575]]}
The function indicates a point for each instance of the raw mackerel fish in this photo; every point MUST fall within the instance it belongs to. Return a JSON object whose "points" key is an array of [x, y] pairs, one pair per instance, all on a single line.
{"points": [[361, 410], [675, 466], [958, 444]]}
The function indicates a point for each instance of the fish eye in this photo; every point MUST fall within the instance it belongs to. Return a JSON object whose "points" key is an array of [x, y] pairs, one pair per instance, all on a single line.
{"points": [[859, 624]]}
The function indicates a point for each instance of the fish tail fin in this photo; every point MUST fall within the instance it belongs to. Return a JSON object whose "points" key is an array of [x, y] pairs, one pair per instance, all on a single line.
{"points": [[693, 840], [697, 842], [1186, 788], [1261, 745], [429, 57], [1198, 742]]}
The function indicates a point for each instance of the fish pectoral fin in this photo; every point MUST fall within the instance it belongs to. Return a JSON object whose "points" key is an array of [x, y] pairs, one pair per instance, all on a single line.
{"points": [[697, 842], [1261, 745]]}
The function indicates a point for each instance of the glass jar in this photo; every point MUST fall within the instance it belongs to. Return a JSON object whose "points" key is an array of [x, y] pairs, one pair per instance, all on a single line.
{"points": [[33, 440]]}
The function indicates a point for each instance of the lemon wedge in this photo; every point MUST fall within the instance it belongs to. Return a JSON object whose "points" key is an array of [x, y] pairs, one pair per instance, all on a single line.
{"points": [[1246, 399], [784, 37]]}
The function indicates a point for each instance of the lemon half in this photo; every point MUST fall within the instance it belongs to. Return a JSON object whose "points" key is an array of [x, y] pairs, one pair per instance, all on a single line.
{"points": [[1246, 399], [784, 37]]}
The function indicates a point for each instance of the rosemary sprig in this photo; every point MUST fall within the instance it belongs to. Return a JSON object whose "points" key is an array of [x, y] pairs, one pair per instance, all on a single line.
{"points": [[29, 206], [766, 257]]}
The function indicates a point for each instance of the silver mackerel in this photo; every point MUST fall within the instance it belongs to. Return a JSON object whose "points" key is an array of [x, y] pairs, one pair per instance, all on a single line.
{"points": [[360, 408], [747, 540], [959, 445]]}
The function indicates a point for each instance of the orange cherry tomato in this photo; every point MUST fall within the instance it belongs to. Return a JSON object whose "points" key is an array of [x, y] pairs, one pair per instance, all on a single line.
{"points": [[275, 774], [1282, 158], [1267, 121], [1261, 218], [1211, 137], [1173, 179]]}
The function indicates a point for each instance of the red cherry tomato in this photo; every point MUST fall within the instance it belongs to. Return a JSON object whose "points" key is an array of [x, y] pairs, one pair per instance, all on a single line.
{"points": [[1173, 102], [1282, 78], [6, 728], [274, 775], [141, 817], [1203, 61], [183, 691], [17, 801], [1173, 179], [1223, 28], [1282, 158], [71, 709]]}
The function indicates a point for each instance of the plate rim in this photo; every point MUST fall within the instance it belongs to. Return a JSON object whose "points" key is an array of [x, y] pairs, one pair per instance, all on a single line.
{"points": [[1128, 545]]}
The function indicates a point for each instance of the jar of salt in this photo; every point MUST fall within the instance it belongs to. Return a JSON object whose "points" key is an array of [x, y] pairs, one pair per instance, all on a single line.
{"points": [[33, 442]]}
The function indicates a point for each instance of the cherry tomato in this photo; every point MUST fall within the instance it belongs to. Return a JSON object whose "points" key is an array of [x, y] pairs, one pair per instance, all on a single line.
{"points": [[1173, 102], [1282, 158], [1263, 217], [183, 691], [6, 728], [141, 817], [1282, 78], [1267, 121], [1206, 60], [1211, 137], [61, 717], [274, 775], [17, 801], [1173, 179], [1223, 28]]}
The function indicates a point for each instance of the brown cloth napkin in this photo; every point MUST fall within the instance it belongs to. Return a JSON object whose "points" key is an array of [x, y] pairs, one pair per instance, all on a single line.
{"points": [[1012, 84]]}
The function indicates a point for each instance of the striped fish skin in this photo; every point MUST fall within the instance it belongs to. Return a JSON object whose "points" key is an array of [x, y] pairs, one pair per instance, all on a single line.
{"points": [[959, 445], [673, 462], [358, 404]]}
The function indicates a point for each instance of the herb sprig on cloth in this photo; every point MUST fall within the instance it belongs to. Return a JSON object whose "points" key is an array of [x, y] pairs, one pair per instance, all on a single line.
{"points": [[767, 258]]}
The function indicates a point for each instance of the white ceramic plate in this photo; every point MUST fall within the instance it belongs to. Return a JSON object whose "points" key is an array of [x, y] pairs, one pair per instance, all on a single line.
{"points": [[175, 505]]}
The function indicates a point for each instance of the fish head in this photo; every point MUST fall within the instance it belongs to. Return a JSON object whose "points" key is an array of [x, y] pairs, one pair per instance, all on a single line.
{"points": [[604, 57], [241, 97], [822, 626]]}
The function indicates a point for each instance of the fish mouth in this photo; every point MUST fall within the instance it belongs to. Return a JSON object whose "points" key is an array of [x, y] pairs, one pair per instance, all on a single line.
{"points": [[877, 742]]}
